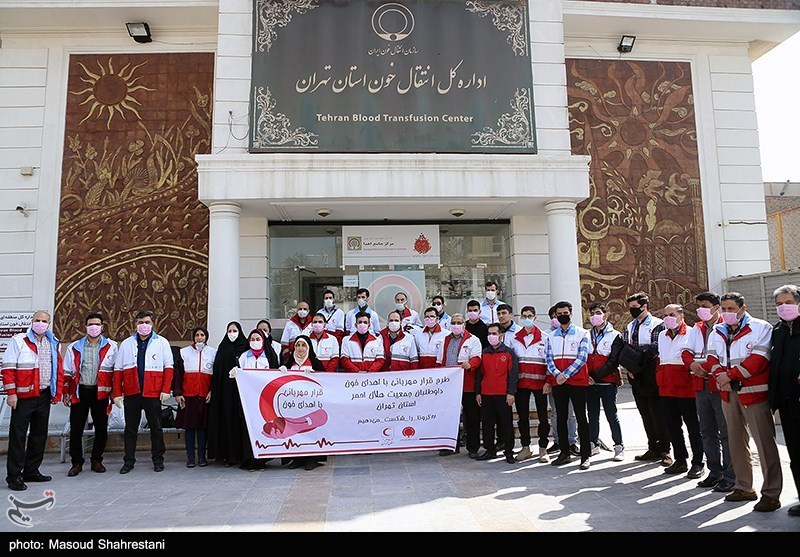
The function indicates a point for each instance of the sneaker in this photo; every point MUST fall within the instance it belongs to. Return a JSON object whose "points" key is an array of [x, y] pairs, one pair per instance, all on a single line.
{"points": [[543, 456], [738, 495], [648, 455], [574, 450], [524, 454], [666, 460], [595, 450], [724, 486], [767, 504], [696, 471], [709, 481], [554, 448], [677, 467], [585, 464], [619, 453]]}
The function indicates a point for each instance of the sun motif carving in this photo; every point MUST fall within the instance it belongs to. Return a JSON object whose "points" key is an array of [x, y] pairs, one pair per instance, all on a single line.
{"points": [[110, 91]]}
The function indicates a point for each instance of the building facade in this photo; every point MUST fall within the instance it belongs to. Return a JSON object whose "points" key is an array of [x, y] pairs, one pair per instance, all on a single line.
{"points": [[128, 180]]}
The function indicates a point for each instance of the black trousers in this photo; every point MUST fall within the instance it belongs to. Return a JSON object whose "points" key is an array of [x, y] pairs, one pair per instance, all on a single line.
{"points": [[522, 401], [495, 410], [679, 411], [34, 413], [652, 415], [790, 423], [472, 421], [134, 404], [563, 395], [78, 413]]}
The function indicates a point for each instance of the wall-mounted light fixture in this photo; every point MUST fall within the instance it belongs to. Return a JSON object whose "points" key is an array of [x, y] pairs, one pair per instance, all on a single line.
{"points": [[23, 209], [457, 212], [626, 43], [140, 32]]}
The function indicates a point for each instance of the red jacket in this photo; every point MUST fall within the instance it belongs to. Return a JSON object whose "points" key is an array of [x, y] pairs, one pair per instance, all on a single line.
{"points": [[672, 373], [353, 358], [468, 350], [499, 372], [21, 368], [195, 377], [402, 352], [157, 373], [697, 351]]}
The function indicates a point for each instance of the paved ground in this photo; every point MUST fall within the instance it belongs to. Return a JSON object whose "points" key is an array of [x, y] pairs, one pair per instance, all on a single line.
{"points": [[396, 492]]}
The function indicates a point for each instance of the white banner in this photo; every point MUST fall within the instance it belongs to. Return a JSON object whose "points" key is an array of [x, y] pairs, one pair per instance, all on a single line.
{"points": [[390, 245], [301, 414], [11, 323]]}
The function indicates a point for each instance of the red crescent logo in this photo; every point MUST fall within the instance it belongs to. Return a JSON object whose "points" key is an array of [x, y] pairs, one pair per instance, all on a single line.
{"points": [[266, 402]]}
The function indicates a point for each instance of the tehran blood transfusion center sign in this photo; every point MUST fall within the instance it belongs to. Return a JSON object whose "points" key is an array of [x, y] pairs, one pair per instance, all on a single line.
{"points": [[410, 76]]}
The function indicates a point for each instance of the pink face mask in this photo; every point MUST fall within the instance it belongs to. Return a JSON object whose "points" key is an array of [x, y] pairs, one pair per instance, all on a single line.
{"points": [[39, 328], [144, 329], [430, 322], [704, 314], [730, 318], [788, 312], [670, 322], [457, 329], [596, 319], [317, 327], [554, 322], [473, 315], [494, 340], [362, 328], [94, 330]]}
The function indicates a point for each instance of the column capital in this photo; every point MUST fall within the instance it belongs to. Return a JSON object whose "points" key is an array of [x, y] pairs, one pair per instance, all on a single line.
{"points": [[224, 209], [560, 206]]}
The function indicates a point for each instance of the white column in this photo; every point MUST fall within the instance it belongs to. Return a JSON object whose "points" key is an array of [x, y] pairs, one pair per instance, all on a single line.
{"points": [[223, 267], [565, 281], [530, 283]]}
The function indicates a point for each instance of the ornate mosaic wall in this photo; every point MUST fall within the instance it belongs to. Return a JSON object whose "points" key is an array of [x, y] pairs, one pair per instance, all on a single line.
{"points": [[642, 226], [132, 234]]}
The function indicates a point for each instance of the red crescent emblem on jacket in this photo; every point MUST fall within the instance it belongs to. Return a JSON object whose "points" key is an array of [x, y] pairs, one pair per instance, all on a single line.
{"points": [[749, 346], [154, 356]]}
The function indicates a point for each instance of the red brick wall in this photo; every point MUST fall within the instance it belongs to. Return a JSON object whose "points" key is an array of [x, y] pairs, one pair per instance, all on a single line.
{"points": [[642, 226], [132, 234]]}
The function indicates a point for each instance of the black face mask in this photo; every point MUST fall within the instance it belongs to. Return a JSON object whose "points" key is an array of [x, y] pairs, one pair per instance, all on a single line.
{"points": [[636, 312], [564, 319]]}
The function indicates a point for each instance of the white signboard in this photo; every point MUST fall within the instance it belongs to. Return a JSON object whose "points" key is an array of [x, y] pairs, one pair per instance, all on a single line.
{"points": [[350, 281], [300, 414], [11, 323], [390, 245]]}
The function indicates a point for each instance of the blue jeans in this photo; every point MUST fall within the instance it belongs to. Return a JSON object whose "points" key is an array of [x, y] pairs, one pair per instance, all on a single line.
{"points": [[605, 393]]}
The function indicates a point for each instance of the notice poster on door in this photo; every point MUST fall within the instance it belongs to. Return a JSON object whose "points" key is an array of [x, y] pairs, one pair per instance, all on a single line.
{"points": [[390, 245]]}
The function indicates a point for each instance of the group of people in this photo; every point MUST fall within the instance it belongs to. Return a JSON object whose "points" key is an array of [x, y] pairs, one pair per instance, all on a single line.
{"points": [[720, 380]]}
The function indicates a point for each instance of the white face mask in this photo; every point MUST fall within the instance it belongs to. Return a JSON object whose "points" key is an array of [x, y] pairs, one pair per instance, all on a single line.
{"points": [[302, 313], [256, 344], [200, 345], [491, 295], [400, 307], [362, 303], [527, 322], [328, 303], [394, 326], [438, 307], [233, 336]]}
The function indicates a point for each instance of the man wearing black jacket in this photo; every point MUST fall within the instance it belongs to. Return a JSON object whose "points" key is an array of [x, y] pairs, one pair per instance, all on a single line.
{"points": [[604, 378], [784, 377]]}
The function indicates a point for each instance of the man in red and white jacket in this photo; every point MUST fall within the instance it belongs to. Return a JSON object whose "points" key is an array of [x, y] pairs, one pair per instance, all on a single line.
{"points": [[299, 324], [676, 391], [325, 343], [399, 347], [33, 376], [463, 349], [88, 377], [713, 427], [566, 352], [362, 351], [529, 344], [430, 340], [142, 381], [738, 357]]}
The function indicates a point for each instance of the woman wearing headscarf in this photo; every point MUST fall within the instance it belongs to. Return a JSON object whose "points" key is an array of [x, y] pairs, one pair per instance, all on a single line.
{"points": [[303, 358], [192, 391], [259, 355], [266, 327], [228, 440]]}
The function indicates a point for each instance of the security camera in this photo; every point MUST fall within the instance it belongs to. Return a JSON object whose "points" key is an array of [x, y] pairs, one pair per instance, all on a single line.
{"points": [[457, 212], [324, 212]]}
